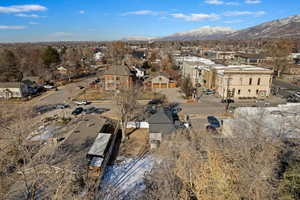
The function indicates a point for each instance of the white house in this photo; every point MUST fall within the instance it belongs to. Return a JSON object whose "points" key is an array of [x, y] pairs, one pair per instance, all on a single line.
{"points": [[98, 56], [13, 90]]}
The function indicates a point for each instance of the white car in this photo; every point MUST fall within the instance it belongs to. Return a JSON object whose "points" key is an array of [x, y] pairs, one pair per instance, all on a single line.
{"points": [[84, 102], [48, 86]]}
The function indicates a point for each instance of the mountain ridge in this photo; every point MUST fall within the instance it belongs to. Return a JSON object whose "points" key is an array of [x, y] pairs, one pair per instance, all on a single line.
{"points": [[288, 27]]}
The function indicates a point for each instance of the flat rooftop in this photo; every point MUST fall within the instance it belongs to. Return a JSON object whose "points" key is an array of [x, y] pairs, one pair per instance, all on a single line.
{"points": [[100, 145]]}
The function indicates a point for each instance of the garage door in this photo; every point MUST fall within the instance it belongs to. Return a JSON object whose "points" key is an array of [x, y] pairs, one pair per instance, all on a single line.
{"points": [[156, 85], [164, 85]]}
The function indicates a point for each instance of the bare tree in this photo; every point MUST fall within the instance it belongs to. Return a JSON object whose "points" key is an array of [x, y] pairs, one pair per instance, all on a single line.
{"points": [[187, 87], [279, 51], [126, 102], [199, 166]]}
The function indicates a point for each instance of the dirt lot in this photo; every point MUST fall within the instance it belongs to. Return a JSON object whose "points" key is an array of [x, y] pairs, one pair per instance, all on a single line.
{"points": [[137, 143]]}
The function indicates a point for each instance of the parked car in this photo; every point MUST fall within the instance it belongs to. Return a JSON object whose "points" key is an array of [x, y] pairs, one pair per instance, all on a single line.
{"points": [[297, 94], [208, 91], [61, 106], [77, 111], [292, 99], [44, 108], [49, 87], [101, 110], [90, 110], [213, 121], [84, 102], [227, 101], [175, 108], [155, 102]]}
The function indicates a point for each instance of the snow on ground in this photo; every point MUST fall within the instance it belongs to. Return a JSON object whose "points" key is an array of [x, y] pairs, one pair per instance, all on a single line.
{"points": [[126, 178], [43, 133]]}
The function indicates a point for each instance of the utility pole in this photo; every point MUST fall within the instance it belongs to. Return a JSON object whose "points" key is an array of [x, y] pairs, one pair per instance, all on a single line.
{"points": [[228, 94]]}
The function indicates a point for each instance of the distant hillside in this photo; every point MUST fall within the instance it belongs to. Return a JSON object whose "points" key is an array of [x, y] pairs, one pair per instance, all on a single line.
{"points": [[281, 28], [203, 33]]}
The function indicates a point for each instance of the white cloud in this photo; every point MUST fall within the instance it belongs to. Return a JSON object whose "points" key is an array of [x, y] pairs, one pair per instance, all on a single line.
{"points": [[33, 23], [61, 34], [214, 2], [219, 2], [141, 12], [21, 8], [235, 21], [12, 27], [240, 13], [28, 16], [82, 12], [195, 17], [253, 1]]}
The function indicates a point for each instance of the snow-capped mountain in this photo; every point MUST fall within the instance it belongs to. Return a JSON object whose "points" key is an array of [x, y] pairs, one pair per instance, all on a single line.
{"points": [[138, 38], [281, 28], [202, 33]]}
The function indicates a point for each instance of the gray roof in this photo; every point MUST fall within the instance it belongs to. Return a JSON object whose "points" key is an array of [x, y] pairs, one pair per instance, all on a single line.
{"points": [[120, 70], [161, 117], [164, 129], [162, 122], [10, 84], [100, 145]]}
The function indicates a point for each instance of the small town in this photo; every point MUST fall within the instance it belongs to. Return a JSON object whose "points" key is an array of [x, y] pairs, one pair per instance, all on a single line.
{"points": [[212, 113]]}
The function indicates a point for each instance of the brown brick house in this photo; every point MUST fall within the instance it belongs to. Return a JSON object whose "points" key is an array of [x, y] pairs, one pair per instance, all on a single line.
{"points": [[117, 76]]}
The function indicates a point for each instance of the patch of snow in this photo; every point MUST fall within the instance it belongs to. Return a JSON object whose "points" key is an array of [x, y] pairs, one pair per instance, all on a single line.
{"points": [[43, 133], [126, 178]]}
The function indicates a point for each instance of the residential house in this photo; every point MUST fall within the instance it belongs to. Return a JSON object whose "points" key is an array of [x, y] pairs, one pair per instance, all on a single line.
{"points": [[13, 90], [62, 70], [295, 57], [140, 53], [250, 58], [117, 76], [160, 80], [161, 124], [98, 56]]}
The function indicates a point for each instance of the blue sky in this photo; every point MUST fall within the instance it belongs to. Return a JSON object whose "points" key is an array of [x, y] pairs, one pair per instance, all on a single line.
{"points": [[53, 20]]}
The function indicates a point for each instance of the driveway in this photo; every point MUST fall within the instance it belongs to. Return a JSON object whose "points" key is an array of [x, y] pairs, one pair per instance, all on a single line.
{"points": [[173, 95]]}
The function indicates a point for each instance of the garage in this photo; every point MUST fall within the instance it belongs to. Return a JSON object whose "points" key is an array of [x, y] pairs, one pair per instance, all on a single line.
{"points": [[164, 85], [156, 85]]}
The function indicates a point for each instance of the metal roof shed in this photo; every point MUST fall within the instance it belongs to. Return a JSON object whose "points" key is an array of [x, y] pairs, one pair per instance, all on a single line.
{"points": [[100, 145]]}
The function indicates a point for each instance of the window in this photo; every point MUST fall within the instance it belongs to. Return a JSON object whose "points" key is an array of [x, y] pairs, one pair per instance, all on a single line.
{"points": [[239, 92], [257, 91], [258, 81], [250, 81], [249, 91], [117, 78]]}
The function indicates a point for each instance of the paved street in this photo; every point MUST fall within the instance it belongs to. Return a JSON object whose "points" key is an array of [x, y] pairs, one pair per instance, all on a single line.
{"points": [[285, 89], [64, 93]]}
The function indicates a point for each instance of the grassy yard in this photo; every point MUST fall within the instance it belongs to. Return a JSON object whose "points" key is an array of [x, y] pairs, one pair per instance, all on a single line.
{"points": [[148, 95], [95, 94]]}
